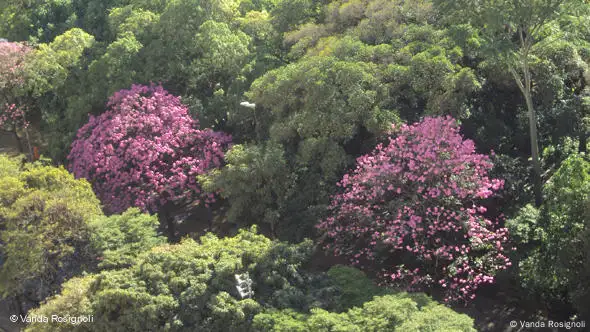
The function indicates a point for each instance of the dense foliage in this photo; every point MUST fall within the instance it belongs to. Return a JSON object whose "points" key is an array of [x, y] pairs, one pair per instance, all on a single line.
{"points": [[145, 151], [385, 313], [340, 114], [120, 239], [411, 204], [52, 228], [554, 236], [191, 286], [338, 106], [45, 232]]}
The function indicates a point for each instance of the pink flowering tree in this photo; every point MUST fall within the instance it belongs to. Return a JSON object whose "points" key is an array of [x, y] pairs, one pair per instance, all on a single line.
{"points": [[12, 80], [146, 151], [413, 209], [12, 117], [12, 61]]}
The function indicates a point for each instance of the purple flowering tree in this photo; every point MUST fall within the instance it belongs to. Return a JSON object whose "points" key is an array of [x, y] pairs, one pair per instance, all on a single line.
{"points": [[146, 151], [412, 208]]}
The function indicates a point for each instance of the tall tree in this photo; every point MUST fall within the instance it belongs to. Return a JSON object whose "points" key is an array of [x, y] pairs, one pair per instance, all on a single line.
{"points": [[36, 20], [513, 29]]}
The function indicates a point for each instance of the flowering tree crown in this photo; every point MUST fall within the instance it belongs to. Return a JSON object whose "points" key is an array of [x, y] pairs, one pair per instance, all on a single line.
{"points": [[145, 151], [12, 61], [411, 208]]}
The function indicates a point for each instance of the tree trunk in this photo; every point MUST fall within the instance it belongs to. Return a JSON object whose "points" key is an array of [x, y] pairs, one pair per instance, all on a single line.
{"points": [[526, 87], [169, 222], [526, 92], [19, 142], [537, 182], [585, 116], [31, 156]]}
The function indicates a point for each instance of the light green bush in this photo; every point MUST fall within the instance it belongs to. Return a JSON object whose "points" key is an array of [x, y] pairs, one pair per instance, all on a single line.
{"points": [[44, 233], [396, 312]]}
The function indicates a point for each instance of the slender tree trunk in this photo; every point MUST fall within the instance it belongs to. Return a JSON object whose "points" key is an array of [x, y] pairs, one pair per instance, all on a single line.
{"points": [[585, 114], [31, 156], [526, 91], [19, 142], [525, 88], [537, 182]]}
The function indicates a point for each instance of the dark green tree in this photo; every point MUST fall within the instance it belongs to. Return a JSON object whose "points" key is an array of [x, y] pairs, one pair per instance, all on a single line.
{"points": [[552, 238], [514, 29]]}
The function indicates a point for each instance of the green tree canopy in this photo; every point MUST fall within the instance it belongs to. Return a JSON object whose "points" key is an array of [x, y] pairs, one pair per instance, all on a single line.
{"points": [[191, 286], [553, 237], [44, 215]]}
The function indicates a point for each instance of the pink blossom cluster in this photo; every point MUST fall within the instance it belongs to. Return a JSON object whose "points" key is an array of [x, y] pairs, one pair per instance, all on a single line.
{"points": [[12, 60], [145, 151], [12, 117], [411, 208]]}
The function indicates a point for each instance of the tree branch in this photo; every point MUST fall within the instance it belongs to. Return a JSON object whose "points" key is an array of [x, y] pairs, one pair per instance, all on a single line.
{"points": [[516, 78]]}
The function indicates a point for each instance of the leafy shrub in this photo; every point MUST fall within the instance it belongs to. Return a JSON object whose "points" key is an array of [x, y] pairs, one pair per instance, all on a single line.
{"points": [[191, 286], [45, 232], [52, 228], [353, 287], [121, 238], [186, 286], [411, 209], [399, 312], [9, 166]]}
